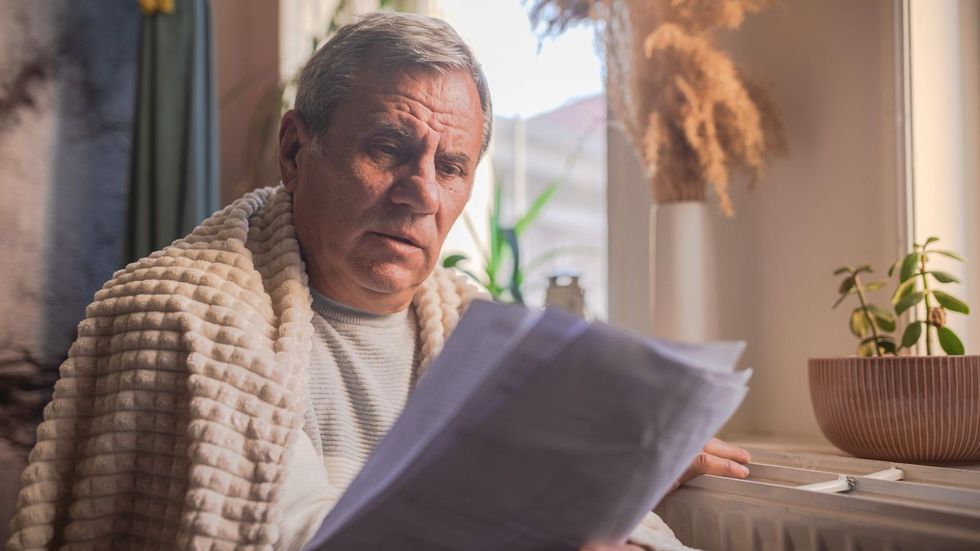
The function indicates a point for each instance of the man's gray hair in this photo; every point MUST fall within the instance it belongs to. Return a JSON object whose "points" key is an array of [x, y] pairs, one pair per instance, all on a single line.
{"points": [[386, 41]]}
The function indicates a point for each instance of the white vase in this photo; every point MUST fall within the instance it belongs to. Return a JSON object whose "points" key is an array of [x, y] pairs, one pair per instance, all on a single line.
{"points": [[683, 286]]}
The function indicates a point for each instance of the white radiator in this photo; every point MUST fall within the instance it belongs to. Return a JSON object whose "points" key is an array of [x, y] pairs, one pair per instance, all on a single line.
{"points": [[815, 502]]}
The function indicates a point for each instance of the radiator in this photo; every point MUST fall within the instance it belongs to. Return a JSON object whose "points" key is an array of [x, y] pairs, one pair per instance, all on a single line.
{"points": [[817, 502]]}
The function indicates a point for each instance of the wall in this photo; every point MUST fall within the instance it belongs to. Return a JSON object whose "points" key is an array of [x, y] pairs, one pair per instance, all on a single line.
{"points": [[246, 49], [945, 84], [831, 69]]}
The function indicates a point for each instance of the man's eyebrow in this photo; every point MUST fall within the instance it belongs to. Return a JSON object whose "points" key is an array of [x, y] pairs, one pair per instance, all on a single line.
{"points": [[458, 158], [392, 130]]}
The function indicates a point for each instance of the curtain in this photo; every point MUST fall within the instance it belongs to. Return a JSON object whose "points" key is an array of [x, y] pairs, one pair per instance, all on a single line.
{"points": [[174, 181]]}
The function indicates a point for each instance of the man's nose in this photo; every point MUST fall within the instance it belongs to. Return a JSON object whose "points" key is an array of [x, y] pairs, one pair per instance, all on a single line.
{"points": [[417, 187]]}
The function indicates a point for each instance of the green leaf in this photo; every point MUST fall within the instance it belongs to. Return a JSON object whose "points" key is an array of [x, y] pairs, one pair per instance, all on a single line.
{"points": [[510, 236], [908, 301], [474, 277], [866, 350], [891, 269], [950, 342], [883, 319], [951, 303], [912, 334], [931, 239], [452, 260], [843, 270], [887, 346], [943, 277], [539, 202], [496, 237], [874, 286], [858, 323], [903, 290], [949, 254], [885, 343], [863, 268], [846, 285], [909, 265]]}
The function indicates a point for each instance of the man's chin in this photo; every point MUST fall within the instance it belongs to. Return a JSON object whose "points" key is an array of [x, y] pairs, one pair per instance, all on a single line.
{"points": [[392, 279]]}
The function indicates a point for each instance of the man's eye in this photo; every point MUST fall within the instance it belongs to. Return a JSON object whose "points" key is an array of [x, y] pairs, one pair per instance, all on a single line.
{"points": [[450, 170], [386, 149]]}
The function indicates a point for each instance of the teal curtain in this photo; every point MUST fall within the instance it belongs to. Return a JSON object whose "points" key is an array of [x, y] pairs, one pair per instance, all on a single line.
{"points": [[174, 173]]}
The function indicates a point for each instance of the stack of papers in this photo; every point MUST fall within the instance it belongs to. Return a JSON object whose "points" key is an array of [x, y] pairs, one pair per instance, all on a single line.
{"points": [[536, 430]]}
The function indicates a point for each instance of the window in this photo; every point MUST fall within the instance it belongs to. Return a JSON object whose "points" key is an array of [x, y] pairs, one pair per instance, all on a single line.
{"points": [[549, 127]]}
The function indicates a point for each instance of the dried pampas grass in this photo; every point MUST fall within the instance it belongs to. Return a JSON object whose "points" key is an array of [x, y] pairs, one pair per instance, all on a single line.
{"points": [[685, 107]]}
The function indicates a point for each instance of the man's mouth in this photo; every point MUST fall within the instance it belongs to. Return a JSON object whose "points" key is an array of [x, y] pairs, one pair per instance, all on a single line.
{"points": [[400, 239]]}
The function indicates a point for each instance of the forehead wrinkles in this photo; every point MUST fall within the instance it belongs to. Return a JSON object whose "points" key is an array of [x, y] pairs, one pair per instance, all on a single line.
{"points": [[450, 121]]}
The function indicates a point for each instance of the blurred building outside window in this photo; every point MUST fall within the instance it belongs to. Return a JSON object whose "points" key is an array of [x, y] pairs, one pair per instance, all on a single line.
{"points": [[550, 126]]}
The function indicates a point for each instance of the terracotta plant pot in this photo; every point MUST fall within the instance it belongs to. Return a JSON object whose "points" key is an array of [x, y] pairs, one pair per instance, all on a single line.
{"points": [[914, 409]]}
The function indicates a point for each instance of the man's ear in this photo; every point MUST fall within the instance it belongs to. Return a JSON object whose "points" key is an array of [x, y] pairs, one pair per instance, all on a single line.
{"points": [[293, 137]]}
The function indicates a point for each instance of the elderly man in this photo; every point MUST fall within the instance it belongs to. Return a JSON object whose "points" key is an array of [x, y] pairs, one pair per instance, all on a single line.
{"points": [[223, 392]]}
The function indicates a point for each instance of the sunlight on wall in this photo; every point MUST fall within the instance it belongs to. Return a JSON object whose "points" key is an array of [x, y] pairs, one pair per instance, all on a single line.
{"points": [[945, 125]]}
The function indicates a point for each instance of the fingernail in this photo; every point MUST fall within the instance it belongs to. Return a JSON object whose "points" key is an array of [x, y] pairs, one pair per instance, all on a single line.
{"points": [[744, 470]]}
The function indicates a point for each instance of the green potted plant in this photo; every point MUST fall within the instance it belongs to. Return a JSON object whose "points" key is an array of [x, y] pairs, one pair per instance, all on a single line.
{"points": [[503, 268], [889, 401]]}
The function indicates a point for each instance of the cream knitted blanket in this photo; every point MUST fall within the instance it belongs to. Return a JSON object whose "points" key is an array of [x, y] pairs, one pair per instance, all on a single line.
{"points": [[170, 425]]}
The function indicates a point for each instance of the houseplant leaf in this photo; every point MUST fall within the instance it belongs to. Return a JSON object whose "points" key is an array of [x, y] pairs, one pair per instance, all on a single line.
{"points": [[874, 286], [911, 335], [943, 277], [951, 303], [887, 346], [452, 260], [908, 301], [950, 342], [903, 290], [884, 319], [510, 237], [931, 239], [496, 238], [909, 265], [531, 215], [866, 349], [842, 270], [859, 323], [891, 269], [949, 254], [863, 268], [875, 343]]}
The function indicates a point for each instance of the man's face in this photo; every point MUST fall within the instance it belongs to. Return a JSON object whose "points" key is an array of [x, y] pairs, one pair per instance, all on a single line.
{"points": [[394, 171]]}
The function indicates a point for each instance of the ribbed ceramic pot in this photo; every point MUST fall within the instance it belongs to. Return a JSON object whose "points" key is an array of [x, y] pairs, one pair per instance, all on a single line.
{"points": [[915, 409]]}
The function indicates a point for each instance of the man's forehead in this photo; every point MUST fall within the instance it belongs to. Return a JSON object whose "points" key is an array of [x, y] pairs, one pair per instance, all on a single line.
{"points": [[432, 97], [408, 106]]}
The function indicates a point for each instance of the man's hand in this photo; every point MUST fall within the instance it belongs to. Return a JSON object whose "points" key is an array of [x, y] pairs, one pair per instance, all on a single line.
{"points": [[718, 458]]}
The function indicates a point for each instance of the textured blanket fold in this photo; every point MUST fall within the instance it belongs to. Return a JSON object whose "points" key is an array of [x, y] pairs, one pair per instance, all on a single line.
{"points": [[172, 420]]}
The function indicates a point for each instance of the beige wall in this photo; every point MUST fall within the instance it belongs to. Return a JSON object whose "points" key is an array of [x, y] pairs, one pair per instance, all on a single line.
{"points": [[246, 34], [945, 82], [831, 68]]}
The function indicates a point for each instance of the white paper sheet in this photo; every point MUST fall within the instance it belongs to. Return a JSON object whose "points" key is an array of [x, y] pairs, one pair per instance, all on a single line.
{"points": [[536, 431]]}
